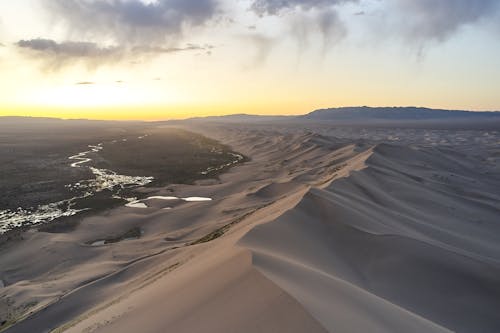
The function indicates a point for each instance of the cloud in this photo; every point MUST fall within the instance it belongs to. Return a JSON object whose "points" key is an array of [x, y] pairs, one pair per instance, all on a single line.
{"points": [[133, 28], [132, 21], [275, 7], [424, 20], [418, 22], [56, 55], [84, 83], [161, 49], [331, 28], [263, 46], [307, 17], [67, 49], [59, 54]]}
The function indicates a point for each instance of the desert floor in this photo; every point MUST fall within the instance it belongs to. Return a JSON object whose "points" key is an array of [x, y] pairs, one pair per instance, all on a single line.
{"points": [[322, 230]]}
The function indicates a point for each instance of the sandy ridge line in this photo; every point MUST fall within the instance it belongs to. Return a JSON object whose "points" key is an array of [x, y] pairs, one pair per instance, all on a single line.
{"points": [[154, 276], [88, 284], [364, 210], [343, 282]]}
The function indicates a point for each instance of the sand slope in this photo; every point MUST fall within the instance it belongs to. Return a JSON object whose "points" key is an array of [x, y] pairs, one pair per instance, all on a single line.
{"points": [[414, 235]]}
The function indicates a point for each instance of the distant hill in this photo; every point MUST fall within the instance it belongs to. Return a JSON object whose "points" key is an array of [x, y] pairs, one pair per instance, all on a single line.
{"points": [[395, 113], [231, 118]]}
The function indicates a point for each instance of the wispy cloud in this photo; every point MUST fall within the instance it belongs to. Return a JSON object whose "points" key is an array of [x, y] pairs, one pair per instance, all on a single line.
{"points": [[418, 22], [263, 47], [424, 20], [306, 17]]}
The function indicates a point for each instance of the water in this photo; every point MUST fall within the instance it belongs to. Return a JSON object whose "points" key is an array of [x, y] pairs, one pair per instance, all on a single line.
{"points": [[104, 179], [238, 159], [134, 203]]}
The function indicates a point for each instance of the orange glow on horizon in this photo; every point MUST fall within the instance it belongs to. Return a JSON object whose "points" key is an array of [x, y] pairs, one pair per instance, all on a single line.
{"points": [[147, 113]]}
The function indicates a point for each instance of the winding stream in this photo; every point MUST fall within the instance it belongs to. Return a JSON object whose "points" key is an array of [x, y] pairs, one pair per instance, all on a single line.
{"points": [[104, 179]]}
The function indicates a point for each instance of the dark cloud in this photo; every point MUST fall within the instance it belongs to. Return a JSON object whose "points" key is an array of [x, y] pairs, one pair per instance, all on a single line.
{"points": [[84, 83], [132, 21]]}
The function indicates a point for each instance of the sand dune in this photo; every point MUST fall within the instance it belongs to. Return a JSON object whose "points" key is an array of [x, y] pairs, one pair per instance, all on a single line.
{"points": [[391, 245], [314, 234]]}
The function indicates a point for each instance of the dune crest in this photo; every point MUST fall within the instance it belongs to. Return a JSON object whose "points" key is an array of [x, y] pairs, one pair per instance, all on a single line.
{"points": [[405, 239]]}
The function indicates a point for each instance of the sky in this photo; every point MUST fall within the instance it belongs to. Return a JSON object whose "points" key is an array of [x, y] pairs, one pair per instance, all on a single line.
{"points": [[164, 59]]}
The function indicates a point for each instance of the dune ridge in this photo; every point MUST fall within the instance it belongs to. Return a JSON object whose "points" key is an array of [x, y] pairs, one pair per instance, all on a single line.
{"points": [[380, 242]]}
